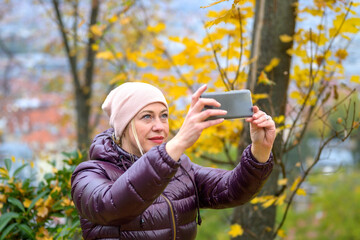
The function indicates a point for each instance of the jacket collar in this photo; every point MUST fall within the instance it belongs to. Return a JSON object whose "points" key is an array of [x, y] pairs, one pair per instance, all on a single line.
{"points": [[104, 148]]}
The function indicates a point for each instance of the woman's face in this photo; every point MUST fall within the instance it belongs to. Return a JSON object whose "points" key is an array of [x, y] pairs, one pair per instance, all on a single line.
{"points": [[152, 128]]}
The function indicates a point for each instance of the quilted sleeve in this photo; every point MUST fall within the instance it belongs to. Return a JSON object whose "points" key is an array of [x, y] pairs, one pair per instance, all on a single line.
{"points": [[220, 188], [107, 202]]}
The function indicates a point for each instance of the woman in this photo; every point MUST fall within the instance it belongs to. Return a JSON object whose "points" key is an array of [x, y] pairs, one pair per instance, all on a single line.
{"points": [[139, 186]]}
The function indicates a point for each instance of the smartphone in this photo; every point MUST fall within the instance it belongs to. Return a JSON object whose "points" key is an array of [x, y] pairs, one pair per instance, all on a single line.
{"points": [[237, 103]]}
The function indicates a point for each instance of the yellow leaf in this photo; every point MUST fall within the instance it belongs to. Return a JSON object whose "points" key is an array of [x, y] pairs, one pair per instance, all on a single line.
{"points": [[269, 202], [301, 191], [106, 55], [285, 38], [175, 39], [4, 172], [263, 79], [279, 119], [118, 78], [94, 47], [282, 182], [295, 183], [281, 199], [259, 96], [56, 189], [66, 202], [157, 28], [298, 164], [341, 54], [296, 95], [80, 156], [13, 159], [214, 3], [39, 202], [281, 233], [235, 230], [27, 203], [355, 79], [43, 212], [223, 18], [2, 198], [96, 30], [273, 63], [255, 200], [49, 201], [113, 19]]}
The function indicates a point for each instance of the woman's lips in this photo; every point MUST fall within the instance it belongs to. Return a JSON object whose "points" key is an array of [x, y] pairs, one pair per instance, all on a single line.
{"points": [[157, 140]]}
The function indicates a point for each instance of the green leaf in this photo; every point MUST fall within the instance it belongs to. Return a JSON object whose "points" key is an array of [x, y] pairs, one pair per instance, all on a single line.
{"points": [[7, 230], [59, 215], [8, 164], [26, 230], [32, 204], [18, 170], [17, 203], [6, 218]]}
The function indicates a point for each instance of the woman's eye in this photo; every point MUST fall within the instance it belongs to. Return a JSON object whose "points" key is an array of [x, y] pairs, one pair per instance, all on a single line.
{"points": [[165, 115], [147, 116]]}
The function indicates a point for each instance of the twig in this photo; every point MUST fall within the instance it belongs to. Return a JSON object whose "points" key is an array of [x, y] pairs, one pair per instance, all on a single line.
{"points": [[222, 73], [301, 181], [347, 131], [241, 48]]}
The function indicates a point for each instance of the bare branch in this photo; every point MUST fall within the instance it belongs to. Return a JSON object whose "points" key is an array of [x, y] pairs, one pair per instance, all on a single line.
{"points": [[223, 75], [72, 59], [347, 131], [241, 48]]}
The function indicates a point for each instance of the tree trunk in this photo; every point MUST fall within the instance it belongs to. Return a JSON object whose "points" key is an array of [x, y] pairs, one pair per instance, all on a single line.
{"points": [[83, 110], [82, 88], [274, 18]]}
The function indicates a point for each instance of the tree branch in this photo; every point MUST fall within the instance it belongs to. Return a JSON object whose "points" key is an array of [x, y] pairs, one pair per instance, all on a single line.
{"points": [[223, 75], [72, 60], [241, 48], [336, 134]]}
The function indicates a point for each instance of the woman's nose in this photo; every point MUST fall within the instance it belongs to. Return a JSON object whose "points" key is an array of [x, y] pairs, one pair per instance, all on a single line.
{"points": [[158, 125]]}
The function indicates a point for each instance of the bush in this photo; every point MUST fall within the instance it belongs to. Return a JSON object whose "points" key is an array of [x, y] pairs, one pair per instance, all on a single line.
{"points": [[333, 212], [40, 212]]}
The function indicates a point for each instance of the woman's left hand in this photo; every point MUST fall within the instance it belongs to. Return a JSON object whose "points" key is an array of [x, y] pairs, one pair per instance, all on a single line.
{"points": [[262, 133]]}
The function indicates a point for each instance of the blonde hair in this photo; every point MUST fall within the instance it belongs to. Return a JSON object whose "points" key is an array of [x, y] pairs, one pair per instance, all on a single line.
{"points": [[118, 141], [133, 129]]}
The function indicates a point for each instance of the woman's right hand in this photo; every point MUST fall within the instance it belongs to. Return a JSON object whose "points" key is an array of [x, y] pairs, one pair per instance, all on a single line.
{"points": [[195, 122]]}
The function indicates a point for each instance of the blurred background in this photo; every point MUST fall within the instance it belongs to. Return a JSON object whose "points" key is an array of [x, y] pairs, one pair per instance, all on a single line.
{"points": [[53, 73]]}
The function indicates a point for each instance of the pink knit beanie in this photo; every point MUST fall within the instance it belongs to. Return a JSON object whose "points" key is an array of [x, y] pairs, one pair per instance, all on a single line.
{"points": [[125, 101]]}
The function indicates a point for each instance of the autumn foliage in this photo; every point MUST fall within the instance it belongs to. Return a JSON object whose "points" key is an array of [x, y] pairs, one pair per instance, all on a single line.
{"points": [[139, 50]]}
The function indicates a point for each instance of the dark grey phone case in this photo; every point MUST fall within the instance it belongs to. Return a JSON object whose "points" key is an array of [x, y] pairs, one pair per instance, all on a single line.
{"points": [[237, 103]]}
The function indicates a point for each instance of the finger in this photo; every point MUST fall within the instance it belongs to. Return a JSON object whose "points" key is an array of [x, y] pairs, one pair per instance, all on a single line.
{"points": [[195, 97], [268, 124], [210, 123], [209, 113], [261, 117], [201, 103], [255, 109]]}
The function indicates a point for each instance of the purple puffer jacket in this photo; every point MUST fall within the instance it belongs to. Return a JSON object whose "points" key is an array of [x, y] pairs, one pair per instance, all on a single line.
{"points": [[154, 197]]}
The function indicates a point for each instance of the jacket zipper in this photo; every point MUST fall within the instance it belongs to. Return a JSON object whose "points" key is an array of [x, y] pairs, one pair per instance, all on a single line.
{"points": [[172, 214]]}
